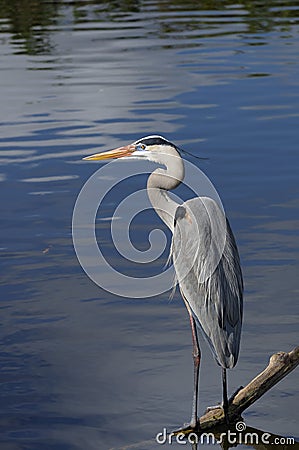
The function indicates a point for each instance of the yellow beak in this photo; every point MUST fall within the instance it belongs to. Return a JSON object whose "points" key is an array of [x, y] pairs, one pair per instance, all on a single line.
{"points": [[119, 152]]}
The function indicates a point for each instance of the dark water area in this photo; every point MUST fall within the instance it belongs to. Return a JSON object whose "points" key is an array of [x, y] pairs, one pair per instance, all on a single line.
{"points": [[82, 368]]}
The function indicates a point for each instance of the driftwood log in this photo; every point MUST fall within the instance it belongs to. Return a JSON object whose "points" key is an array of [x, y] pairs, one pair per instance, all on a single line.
{"points": [[213, 421], [280, 365]]}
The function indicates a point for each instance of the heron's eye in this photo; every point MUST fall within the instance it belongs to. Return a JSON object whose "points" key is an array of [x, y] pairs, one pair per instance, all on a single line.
{"points": [[142, 146]]}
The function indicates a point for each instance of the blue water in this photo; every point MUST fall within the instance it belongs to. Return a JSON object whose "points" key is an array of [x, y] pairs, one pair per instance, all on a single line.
{"points": [[81, 368]]}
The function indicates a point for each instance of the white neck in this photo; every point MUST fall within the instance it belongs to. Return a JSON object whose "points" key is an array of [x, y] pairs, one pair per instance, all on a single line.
{"points": [[163, 180]]}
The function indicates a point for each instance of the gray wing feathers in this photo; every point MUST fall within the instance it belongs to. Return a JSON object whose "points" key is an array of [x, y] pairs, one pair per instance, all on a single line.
{"points": [[208, 269]]}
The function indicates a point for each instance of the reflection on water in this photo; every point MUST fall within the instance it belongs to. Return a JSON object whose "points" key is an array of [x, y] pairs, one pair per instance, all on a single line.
{"points": [[81, 368], [31, 23]]}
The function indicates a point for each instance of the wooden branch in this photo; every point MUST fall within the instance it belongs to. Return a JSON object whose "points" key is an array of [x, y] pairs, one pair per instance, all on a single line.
{"points": [[280, 365]]}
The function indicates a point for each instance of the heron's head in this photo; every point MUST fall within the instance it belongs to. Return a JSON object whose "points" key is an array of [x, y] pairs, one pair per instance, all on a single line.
{"points": [[152, 148]]}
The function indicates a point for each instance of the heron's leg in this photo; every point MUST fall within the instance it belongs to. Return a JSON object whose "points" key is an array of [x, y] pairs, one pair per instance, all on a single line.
{"points": [[225, 398], [196, 360]]}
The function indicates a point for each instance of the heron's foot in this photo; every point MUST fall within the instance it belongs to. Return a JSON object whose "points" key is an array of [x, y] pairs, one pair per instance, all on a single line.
{"points": [[221, 407], [230, 400], [188, 427], [212, 408]]}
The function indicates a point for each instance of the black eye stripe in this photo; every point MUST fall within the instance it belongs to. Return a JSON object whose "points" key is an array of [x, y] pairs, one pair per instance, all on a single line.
{"points": [[155, 141]]}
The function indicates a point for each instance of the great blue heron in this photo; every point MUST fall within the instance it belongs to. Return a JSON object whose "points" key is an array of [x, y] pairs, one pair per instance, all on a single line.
{"points": [[213, 290]]}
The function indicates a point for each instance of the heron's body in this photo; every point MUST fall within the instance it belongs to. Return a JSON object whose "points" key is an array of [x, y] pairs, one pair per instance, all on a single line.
{"points": [[214, 302], [204, 253]]}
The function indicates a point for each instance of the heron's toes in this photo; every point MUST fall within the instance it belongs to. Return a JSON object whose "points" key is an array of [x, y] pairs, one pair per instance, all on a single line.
{"points": [[187, 428], [212, 408]]}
